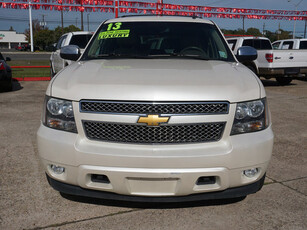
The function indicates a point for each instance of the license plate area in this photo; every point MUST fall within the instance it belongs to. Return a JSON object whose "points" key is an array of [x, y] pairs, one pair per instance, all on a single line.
{"points": [[152, 186]]}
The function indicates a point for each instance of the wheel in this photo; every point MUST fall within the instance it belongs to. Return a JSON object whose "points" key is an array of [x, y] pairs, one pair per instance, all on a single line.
{"points": [[284, 80]]}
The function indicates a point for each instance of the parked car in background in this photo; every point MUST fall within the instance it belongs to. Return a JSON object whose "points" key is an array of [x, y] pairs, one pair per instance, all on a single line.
{"points": [[282, 65], [26, 47], [79, 39], [5, 74], [289, 44]]}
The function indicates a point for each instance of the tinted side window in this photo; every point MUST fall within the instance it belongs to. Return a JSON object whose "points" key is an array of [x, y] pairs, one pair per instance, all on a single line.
{"points": [[80, 40], [58, 45], [248, 42], [287, 45], [303, 45], [61, 42], [232, 43], [265, 45], [276, 45]]}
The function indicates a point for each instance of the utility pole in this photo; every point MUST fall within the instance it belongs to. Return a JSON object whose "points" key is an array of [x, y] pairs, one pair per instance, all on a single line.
{"points": [[82, 16], [31, 29], [296, 5], [263, 29], [243, 25], [62, 21], [76, 22], [116, 8], [305, 29], [160, 7], [88, 22], [43, 23], [278, 32]]}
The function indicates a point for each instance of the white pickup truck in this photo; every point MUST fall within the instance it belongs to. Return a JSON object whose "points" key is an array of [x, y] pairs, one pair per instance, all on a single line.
{"points": [[280, 64], [291, 44], [79, 38]]}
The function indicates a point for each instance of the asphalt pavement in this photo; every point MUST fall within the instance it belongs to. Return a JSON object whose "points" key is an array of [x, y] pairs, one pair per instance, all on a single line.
{"points": [[21, 55], [28, 202]]}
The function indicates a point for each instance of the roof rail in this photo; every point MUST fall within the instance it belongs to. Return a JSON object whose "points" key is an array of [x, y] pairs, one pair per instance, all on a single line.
{"points": [[138, 15]]}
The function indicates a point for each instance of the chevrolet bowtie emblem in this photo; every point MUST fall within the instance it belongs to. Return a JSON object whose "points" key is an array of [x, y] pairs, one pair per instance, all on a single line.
{"points": [[153, 120]]}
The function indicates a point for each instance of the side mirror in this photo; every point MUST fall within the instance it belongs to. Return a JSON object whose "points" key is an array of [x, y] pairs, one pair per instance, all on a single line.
{"points": [[8, 59], [246, 53], [71, 52]]}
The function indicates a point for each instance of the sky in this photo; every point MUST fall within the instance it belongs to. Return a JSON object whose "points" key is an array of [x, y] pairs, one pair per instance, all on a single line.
{"points": [[19, 19]]}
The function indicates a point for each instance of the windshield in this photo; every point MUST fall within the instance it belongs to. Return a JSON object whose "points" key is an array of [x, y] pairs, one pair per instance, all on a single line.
{"points": [[158, 40]]}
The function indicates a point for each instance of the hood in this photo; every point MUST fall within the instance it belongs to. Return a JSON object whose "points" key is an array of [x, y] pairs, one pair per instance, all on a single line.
{"points": [[156, 80]]}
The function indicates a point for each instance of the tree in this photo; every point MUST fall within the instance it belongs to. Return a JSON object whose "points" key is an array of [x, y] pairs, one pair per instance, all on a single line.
{"points": [[253, 31], [43, 38], [36, 27], [58, 32]]}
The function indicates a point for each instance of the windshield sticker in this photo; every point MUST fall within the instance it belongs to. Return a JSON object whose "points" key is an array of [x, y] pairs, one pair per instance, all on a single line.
{"points": [[222, 54], [113, 31], [115, 27], [114, 34]]}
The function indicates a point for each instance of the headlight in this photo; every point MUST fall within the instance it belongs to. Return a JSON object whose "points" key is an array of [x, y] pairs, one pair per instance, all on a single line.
{"points": [[250, 116], [59, 114]]}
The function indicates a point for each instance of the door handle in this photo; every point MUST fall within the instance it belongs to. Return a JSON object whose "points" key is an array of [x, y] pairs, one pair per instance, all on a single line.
{"points": [[277, 58], [291, 57]]}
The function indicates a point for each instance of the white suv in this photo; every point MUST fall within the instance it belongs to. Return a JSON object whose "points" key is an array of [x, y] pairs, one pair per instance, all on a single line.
{"points": [[72, 38], [156, 109]]}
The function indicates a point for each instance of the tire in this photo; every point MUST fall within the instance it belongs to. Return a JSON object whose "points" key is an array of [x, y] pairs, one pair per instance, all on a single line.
{"points": [[283, 80], [7, 87]]}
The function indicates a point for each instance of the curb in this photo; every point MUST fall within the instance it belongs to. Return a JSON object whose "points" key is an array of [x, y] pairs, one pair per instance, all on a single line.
{"points": [[32, 78]]}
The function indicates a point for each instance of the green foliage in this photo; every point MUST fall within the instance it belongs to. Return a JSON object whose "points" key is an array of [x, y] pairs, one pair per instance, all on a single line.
{"points": [[43, 38], [278, 36], [58, 32], [254, 32], [273, 36]]}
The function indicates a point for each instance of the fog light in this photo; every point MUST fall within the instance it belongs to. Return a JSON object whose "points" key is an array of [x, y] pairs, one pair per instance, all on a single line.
{"points": [[250, 172], [57, 169]]}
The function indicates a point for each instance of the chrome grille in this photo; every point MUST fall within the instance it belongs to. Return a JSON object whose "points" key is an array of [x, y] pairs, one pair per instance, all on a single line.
{"points": [[163, 134], [154, 107]]}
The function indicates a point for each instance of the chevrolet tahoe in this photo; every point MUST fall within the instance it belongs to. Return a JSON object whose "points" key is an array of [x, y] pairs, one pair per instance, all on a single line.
{"points": [[157, 109]]}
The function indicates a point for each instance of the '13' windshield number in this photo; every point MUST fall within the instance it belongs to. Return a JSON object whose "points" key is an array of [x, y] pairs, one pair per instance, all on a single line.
{"points": [[115, 27]]}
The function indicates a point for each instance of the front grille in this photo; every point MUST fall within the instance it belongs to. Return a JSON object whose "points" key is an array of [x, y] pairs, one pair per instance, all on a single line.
{"points": [[154, 107], [143, 134]]}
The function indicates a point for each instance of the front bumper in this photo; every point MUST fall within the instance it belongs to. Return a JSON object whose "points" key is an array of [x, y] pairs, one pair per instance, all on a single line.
{"points": [[226, 194], [154, 170]]}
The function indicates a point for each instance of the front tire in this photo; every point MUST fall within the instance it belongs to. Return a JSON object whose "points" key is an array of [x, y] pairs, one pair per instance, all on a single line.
{"points": [[283, 80]]}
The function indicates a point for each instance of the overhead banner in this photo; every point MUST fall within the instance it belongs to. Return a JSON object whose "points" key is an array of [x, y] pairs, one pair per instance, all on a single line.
{"points": [[156, 8]]}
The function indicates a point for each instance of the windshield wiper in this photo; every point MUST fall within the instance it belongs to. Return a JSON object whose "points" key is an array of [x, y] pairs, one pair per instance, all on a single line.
{"points": [[114, 55], [193, 56], [178, 55]]}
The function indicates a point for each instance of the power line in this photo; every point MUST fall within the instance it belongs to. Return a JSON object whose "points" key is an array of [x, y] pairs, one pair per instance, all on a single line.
{"points": [[48, 21]]}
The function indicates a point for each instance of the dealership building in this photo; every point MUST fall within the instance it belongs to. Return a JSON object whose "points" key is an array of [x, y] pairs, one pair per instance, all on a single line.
{"points": [[11, 39]]}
